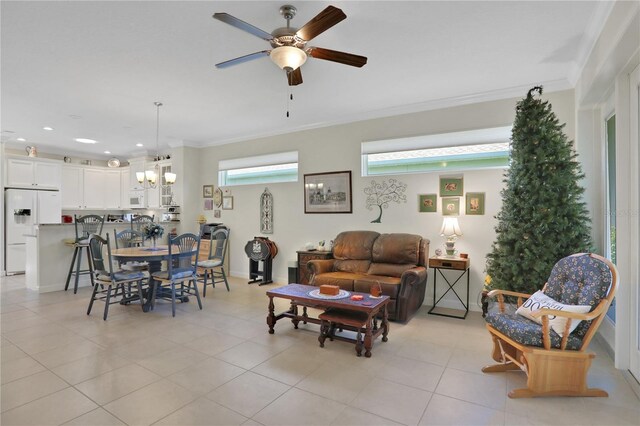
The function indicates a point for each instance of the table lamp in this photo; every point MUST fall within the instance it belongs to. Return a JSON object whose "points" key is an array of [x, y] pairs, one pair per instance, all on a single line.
{"points": [[451, 230]]}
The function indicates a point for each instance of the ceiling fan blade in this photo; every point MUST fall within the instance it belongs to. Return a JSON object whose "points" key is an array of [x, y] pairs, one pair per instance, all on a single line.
{"points": [[242, 59], [294, 77], [335, 56], [241, 25], [322, 22]]}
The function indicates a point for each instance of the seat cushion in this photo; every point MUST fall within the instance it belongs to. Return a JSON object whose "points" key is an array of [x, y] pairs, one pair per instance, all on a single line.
{"points": [[135, 266], [211, 263], [354, 245], [389, 269], [123, 276], [177, 274], [396, 248], [390, 285], [527, 332], [344, 280]]}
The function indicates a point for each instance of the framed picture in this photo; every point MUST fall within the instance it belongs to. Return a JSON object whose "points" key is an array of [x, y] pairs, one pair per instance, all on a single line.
{"points": [[207, 191], [328, 192], [217, 197], [428, 203], [451, 187], [227, 203], [475, 203], [216, 213], [451, 206], [208, 204]]}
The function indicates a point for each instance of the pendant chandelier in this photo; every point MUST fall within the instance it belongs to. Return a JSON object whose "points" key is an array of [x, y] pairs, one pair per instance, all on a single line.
{"points": [[151, 175]]}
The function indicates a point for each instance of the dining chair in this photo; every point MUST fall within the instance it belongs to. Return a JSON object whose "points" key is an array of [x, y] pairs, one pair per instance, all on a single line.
{"points": [[213, 266], [130, 238], [180, 269], [139, 222], [110, 284], [84, 226]]}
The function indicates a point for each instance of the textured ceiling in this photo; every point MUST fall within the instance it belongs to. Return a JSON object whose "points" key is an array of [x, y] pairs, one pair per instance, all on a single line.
{"points": [[94, 69]]}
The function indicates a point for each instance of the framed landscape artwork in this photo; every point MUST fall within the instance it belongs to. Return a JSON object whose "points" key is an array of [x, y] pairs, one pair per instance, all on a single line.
{"points": [[207, 191], [475, 203], [451, 187], [428, 203], [328, 192], [451, 206]]}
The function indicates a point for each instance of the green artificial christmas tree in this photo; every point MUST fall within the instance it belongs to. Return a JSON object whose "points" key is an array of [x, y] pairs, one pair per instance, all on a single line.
{"points": [[543, 217]]}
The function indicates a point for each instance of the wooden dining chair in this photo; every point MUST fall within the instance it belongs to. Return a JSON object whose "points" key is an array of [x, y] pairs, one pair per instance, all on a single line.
{"points": [[139, 222], [554, 358], [109, 285], [180, 270], [213, 266], [130, 238]]}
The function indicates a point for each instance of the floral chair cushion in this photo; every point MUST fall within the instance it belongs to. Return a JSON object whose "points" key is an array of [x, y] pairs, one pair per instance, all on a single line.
{"points": [[527, 332], [579, 280]]}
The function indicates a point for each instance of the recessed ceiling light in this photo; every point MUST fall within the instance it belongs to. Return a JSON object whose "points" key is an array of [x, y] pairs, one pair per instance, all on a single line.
{"points": [[83, 140], [47, 128], [21, 140], [107, 152], [139, 144]]}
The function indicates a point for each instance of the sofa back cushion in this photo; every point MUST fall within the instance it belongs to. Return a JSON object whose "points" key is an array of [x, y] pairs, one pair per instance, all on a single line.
{"points": [[397, 249], [354, 245], [354, 266], [389, 269]]}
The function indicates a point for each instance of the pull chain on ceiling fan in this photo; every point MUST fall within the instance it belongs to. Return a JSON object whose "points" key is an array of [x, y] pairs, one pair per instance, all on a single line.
{"points": [[289, 44]]}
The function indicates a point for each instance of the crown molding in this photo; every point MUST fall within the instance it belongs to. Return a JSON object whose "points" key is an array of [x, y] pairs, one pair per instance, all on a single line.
{"points": [[494, 95]]}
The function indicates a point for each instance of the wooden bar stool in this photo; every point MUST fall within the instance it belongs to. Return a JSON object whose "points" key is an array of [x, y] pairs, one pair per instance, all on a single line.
{"points": [[338, 318], [89, 224]]}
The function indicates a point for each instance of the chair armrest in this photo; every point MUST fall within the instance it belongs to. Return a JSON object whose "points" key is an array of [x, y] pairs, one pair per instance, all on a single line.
{"points": [[501, 293], [319, 266]]}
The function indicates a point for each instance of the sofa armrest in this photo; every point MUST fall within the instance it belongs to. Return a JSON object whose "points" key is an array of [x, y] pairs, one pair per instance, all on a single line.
{"points": [[412, 278], [319, 266]]}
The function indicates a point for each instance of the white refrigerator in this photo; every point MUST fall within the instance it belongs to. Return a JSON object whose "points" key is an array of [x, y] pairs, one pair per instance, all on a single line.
{"points": [[24, 209]]}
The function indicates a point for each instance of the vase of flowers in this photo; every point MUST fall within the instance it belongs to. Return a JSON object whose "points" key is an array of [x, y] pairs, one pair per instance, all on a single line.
{"points": [[153, 231]]}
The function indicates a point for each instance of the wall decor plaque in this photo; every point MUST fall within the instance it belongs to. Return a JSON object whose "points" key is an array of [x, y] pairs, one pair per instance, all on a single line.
{"points": [[217, 197], [266, 212]]}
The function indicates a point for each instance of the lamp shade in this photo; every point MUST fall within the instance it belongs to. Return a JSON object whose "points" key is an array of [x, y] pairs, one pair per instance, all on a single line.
{"points": [[288, 57], [170, 178], [450, 227], [140, 177]]}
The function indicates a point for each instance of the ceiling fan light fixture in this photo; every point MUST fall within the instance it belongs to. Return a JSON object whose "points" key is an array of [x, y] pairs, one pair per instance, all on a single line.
{"points": [[288, 57]]}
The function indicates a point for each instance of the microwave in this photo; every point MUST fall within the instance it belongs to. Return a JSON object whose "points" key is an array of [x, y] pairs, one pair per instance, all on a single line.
{"points": [[136, 199]]}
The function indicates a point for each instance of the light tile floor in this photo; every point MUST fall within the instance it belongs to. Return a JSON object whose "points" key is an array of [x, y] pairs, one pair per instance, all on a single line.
{"points": [[219, 366]]}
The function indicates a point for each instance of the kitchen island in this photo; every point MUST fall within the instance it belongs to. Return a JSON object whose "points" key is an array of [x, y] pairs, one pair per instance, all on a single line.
{"points": [[49, 258]]}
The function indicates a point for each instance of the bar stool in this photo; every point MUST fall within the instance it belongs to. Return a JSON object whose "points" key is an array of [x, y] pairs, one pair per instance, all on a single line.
{"points": [[90, 224]]}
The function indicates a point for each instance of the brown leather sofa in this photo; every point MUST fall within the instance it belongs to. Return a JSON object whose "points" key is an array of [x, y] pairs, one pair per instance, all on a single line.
{"points": [[363, 258]]}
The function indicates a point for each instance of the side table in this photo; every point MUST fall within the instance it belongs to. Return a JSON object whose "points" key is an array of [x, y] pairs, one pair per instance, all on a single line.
{"points": [[440, 263]]}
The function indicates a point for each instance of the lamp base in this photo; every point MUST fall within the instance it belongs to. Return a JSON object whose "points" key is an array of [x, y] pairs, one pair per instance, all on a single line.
{"points": [[449, 249]]}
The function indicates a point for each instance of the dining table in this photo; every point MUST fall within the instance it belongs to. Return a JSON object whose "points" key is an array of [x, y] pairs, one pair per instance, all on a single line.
{"points": [[154, 256]]}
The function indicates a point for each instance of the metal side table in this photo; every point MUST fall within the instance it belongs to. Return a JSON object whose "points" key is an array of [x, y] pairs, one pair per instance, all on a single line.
{"points": [[438, 264]]}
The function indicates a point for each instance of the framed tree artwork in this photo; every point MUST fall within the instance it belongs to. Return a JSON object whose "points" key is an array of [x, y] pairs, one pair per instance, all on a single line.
{"points": [[475, 203]]}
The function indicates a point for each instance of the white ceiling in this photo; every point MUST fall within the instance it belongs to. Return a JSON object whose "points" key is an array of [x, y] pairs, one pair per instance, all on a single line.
{"points": [[94, 69]]}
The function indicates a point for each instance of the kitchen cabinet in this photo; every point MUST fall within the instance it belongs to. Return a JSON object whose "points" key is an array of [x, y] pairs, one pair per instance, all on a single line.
{"points": [[166, 191], [72, 188], [22, 173], [124, 187], [111, 194], [94, 189]]}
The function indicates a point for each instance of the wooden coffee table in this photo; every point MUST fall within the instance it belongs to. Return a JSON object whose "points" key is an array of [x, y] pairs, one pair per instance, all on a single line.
{"points": [[299, 296]]}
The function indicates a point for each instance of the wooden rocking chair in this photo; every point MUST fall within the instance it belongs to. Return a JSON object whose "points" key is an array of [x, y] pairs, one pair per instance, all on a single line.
{"points": [[555, 366]]}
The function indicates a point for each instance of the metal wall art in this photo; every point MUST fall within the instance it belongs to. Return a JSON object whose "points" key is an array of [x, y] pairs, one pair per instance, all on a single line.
{"points": [[266, 212], [381, 194]]}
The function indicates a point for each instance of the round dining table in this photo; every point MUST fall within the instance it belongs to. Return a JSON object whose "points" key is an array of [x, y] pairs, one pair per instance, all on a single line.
{"points": [[154, 257]]}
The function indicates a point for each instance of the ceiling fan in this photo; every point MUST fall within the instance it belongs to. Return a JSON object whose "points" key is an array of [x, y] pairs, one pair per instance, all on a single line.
{"points": [[289, 44]]}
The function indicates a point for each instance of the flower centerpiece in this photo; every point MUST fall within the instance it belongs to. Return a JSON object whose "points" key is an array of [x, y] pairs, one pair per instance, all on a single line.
{"points": [[153, 231]]}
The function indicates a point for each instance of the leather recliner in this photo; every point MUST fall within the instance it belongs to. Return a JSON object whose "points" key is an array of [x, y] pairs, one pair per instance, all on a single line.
{"points": [[363, 258]]}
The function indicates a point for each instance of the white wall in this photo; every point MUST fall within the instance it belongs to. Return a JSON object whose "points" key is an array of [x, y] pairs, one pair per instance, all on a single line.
{"points": [[338, 148]]}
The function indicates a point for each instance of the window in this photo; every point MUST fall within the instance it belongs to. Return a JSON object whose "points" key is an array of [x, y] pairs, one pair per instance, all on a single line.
{"points": [[475, 149], [271, 168]]}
